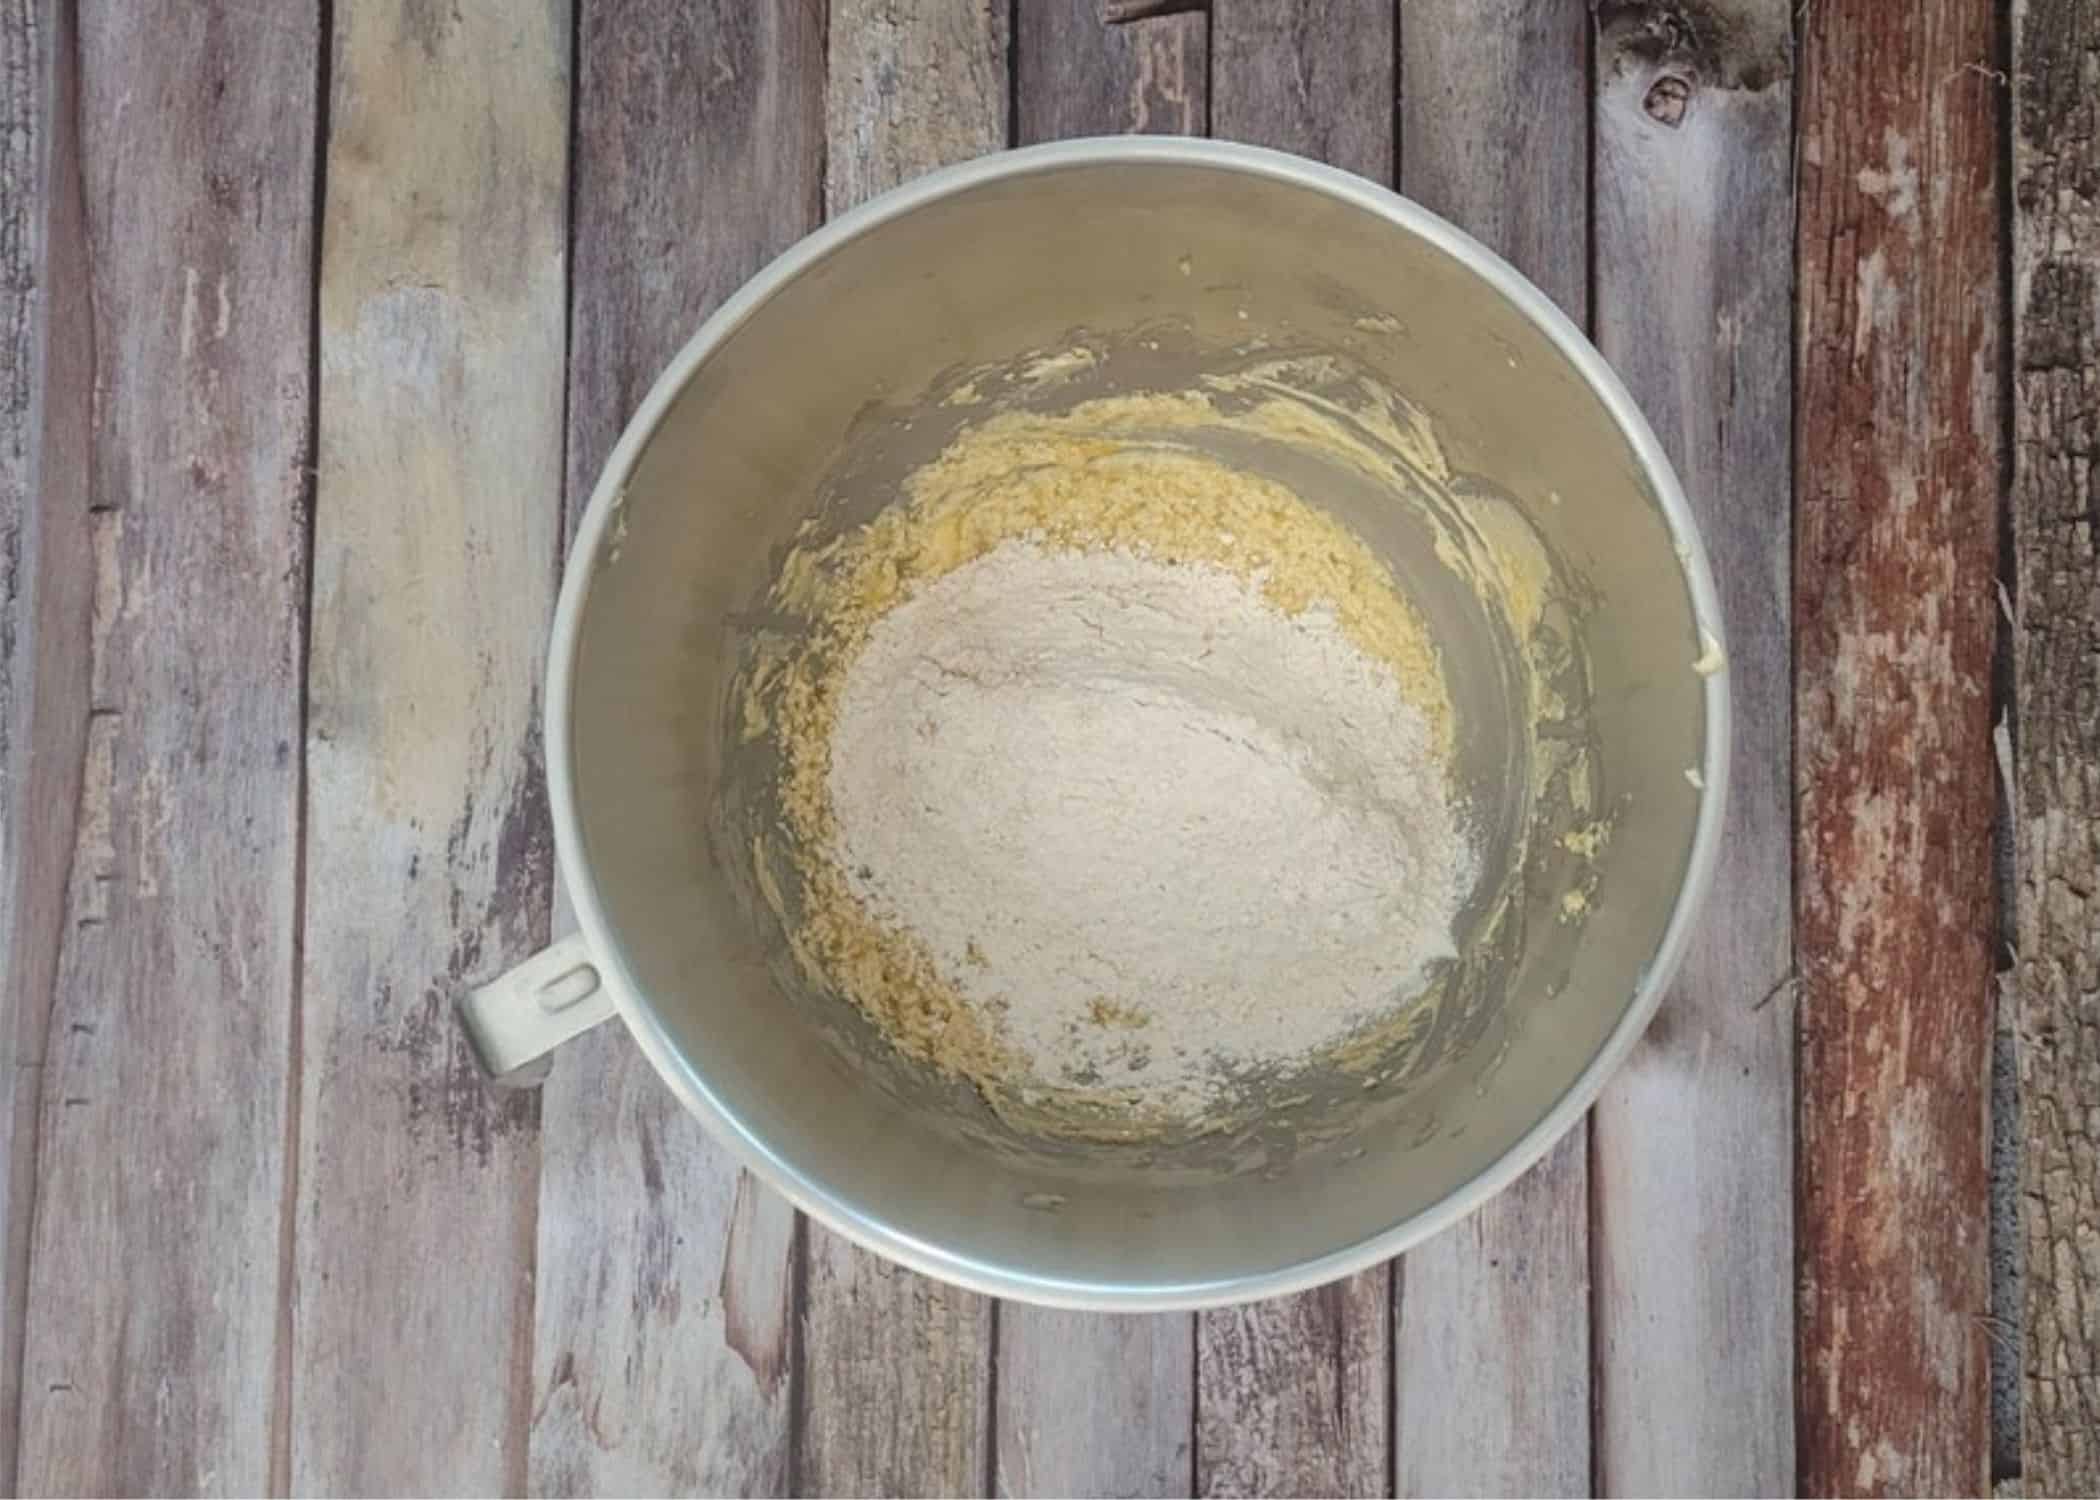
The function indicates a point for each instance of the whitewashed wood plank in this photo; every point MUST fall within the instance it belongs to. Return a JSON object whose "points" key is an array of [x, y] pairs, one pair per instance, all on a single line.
{"points": [[147, 1365], [1093, 1404], [896, 1375], [1492, 1378], [662, 1329], [1692, 1155], [662, 1336], [2056, 543], [428, 854], [895, 1395], [1293, 1394], [1492, 1341], [47, 579], [912, 85]]}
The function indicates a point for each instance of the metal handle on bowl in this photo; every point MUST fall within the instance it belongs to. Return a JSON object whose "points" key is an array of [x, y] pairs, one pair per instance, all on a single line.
{"points": [[518, 1019]]}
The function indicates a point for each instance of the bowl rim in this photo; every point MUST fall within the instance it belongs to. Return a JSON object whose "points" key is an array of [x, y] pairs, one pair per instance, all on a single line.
{"points": [[852, 1220]]}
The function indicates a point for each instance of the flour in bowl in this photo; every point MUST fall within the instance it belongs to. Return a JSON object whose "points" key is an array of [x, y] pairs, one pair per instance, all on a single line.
{"points": [[1114, 778], [1155, 831]]}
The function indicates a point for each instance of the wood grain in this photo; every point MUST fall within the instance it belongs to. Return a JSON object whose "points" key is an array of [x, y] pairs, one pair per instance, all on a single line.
{"points": [[147, 1366], [1494, 131], [896, 1386], [1075, 75], [1691, 1145], [428, 852], [1092, 1404], [1895, 608], [1293, 1394], [1492, 1347], [913, 85], [1492, 1339], [662, 1338], [2056, 548], [662, 1327], [1315, 78], [47, 581], [895, 1379]]}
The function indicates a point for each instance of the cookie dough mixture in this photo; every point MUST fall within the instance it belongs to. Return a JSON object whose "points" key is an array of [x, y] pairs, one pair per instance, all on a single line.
{"points": [[1113, 775]]}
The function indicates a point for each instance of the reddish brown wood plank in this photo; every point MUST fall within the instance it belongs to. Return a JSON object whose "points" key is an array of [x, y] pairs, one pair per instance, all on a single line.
{"points": [[149, 1364], [1492, 1339], [1896, 555], [1691, 1155], [896, 1388], [2056, 543], [437, 529], [662, 1329], [46, 594]]}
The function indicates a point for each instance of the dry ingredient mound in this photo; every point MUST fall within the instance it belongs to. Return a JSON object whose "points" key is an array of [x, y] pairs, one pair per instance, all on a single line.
{"points": [[1154, 830], [1112, 774]]}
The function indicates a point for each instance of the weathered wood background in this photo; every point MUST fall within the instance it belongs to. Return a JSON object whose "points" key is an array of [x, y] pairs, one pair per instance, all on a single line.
{"points": [[318, 320]]}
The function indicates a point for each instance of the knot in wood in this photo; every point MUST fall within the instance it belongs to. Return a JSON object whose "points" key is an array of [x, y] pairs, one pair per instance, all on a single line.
{"points": [[1667, 99]]}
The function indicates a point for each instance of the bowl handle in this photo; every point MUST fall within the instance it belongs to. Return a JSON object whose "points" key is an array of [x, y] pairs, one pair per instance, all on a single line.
{"points": [[516, 1020]]}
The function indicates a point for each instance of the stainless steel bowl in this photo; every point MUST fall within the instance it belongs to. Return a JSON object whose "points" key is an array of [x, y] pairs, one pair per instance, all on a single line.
{"points": [[734, 448]]}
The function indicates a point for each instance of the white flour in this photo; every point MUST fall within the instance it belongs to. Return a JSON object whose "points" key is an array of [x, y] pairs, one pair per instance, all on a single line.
{"points": [[1152, 828]]}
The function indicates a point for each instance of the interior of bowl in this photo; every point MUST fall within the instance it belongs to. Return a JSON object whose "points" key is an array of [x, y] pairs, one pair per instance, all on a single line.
{"points": [[821, 396]]}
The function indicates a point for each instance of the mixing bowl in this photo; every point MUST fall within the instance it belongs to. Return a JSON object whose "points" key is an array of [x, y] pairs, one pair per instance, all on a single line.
{"points": [[807, 397]]}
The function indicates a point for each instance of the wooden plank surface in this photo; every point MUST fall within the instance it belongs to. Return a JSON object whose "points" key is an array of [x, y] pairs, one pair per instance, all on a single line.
{"points": [[2056, 544], [47, 580], [1492, 1347], [1691, 1145], [1492, 1338], [1076, 75], [662, 1332], [147, 1365], [1092, 1404], [372, 1207], [895, 1380], [895, 1389], [1895, 608], [1293, 1395], [428, 853], [911, 85], [1315, 77]]}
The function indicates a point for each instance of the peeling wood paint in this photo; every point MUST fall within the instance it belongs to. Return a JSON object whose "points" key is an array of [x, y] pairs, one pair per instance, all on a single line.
{"points": [[1896, 548]]}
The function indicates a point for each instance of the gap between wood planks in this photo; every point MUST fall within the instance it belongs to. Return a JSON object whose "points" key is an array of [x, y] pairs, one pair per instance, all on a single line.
{"points": [[287, 1249]]}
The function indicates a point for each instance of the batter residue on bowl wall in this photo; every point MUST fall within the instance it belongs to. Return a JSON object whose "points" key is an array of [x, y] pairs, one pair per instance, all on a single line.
{"points": [[1117, 777]]}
